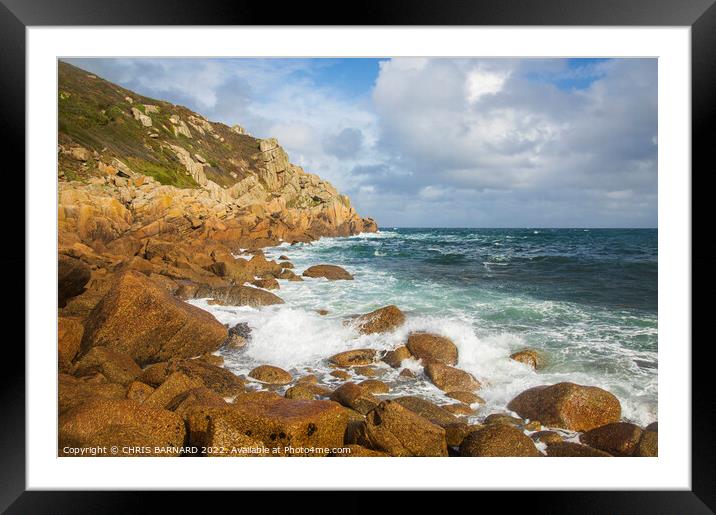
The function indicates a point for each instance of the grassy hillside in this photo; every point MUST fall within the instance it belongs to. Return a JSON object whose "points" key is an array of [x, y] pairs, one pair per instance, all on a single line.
{"points": [[96, 114]]}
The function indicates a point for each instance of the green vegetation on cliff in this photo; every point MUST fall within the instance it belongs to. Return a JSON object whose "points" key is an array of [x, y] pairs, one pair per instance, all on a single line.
{"points": [[97, 115]]}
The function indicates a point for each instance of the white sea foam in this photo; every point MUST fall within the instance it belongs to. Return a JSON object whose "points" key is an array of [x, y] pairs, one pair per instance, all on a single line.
{"points": [[581, 346]]}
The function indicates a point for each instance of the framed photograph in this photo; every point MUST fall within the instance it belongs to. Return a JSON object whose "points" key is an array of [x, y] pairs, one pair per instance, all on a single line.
{"points": [[410, 250]]}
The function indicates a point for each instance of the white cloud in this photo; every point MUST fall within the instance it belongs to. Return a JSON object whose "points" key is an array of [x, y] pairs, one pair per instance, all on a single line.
{"points": [[470, 142]]}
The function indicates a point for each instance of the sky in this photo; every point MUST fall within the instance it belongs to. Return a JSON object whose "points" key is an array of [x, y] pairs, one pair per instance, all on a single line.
{"points": [[438, 142]]}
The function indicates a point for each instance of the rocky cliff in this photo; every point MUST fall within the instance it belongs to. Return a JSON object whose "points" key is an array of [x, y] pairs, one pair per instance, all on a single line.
{"points": [[132, 168]]}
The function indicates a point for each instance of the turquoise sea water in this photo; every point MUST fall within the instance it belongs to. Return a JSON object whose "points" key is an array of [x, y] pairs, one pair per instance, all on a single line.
{"points": [[586, 298]]}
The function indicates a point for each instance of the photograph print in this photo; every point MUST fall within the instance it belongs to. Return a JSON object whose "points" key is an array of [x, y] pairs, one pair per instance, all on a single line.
{"points": [[357, 257]]}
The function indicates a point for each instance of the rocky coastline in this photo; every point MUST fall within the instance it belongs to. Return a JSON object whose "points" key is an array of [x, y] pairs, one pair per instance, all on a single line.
{"points": [[140, 370]]}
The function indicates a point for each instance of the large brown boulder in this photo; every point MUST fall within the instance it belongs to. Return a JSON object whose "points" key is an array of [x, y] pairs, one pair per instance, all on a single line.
{"points": [[69, 338], [353, 358], [330, 272], [568, 405], [450, 379], [176, 384], [398, 431], [224, 439], [218, 379], [190, 399], [432, 348], [72, 392], [122, 423], [374, 386], [529, 357], [498, 440], [618, 438], [648, 446], [72, 276], [270, 375], [381, 320], [353, 396], [117, 367], [143, 320], [426, 409], [277, 422], [395, 358], [238, 296], [574, 450]]}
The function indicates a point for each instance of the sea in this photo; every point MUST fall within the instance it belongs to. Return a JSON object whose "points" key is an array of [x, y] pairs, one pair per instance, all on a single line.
{"points": [[585, 298]]}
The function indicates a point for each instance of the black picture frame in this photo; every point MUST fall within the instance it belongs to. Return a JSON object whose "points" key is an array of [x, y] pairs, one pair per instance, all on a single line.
{"points": [[17, 15]]}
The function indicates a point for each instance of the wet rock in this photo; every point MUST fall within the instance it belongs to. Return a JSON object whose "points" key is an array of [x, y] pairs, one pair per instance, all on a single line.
{"points": [[117, 367], [241, 329], [239, 296], [618, 438], [395, 358], [381, 320], [568, 405], [529, 357], [353, 396], [458, 409], [270, 375], [267, 283], [498, 440], [275, 421], [501, 418], [341, 374], [330, 272], [654, 426], [432, 348], [367, 371], [466, 397], [547, 437], [426, 409], [161, 325], [353, 358], [373, 386], [450, 379], [574, 450], [398, 431], [122, 423], [322, 312], [406, 373]]}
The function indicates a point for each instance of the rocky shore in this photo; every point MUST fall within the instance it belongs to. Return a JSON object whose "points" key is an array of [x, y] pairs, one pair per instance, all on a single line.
{"points": [[180, 209]]}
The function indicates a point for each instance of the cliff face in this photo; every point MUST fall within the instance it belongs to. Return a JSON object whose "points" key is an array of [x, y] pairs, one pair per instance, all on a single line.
{"points": [[132, 168]]}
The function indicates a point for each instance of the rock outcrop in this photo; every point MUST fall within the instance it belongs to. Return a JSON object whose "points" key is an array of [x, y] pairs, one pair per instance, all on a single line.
{"points": [[398, 431], [290, 426], [144, 321], [498, 440], [568, 405], [432, 348], [381, 320]]}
